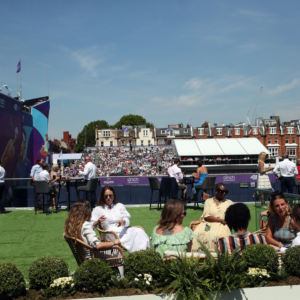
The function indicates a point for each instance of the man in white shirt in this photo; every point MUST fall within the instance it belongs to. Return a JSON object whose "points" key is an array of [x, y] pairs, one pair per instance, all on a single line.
{"points": [[34, 174], [288, 170], [175, 172], [89, 172], [2, 188]]}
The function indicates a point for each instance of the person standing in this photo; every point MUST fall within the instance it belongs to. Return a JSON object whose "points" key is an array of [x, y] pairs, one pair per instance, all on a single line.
{"points": [[35, 175], [2, 187], [89, 172], [288, 170], [175, 172]]}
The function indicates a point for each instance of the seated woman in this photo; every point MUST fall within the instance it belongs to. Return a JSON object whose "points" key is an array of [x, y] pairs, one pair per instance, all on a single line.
{"points": [[295, 215], [169, 234], [78, 225], [281, 229], [212, 222], [201, 174], [114, 216]]}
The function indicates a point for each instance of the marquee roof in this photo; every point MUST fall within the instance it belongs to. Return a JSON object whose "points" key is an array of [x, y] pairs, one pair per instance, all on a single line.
{"points": [[218, 147]]}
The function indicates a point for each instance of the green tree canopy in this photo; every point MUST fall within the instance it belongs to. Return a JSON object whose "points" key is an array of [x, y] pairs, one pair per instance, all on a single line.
{"points": [[131, 120], [90, 134]]}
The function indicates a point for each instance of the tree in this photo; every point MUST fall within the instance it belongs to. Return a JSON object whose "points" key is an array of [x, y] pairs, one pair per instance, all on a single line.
{"points": [[131, 120], [90, 134]]}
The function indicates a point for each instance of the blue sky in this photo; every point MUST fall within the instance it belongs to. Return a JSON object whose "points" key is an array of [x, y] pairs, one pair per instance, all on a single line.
{"points": [[169, 61]]}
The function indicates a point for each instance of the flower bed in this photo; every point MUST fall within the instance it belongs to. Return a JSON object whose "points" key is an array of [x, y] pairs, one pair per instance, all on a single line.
{"points": [[149, 275]]}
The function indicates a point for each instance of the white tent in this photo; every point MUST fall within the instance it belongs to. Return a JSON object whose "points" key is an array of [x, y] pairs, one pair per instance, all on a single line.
{"points": [[218, 147], [57, 157]]}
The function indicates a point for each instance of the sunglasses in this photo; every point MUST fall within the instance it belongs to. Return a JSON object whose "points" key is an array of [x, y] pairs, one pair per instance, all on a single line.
{"points": [[109, 195], [184, 213], [222, 192]]}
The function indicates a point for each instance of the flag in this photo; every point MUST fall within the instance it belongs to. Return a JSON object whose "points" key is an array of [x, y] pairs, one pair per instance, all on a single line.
{"points": [[169, 129], [60, 154], [125, 129], [19, 67], [85, 131]]}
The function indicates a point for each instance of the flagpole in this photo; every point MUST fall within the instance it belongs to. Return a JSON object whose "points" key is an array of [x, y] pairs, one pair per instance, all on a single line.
{"points": [[21, 80], [48, 81]]}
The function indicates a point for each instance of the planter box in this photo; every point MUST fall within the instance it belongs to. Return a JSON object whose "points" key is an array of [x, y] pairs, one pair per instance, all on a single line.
{"points": [[276, 292]]}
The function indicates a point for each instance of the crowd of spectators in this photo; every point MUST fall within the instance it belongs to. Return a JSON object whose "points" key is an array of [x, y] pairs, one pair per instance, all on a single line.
{"points": [[134, 162]]}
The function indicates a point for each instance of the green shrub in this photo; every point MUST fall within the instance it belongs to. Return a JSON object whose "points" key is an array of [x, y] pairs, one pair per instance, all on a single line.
{"points": [[227, 272], [43, 271], [143, 262], [184, 277], [93, 275], [291, 261], [261, 256], [12, 282]]}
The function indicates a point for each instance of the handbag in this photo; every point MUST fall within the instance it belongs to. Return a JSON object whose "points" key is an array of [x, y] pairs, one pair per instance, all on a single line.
{"points": [[204, 195]]}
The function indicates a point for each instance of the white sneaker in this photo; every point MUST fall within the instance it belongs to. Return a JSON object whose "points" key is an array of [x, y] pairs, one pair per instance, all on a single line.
{"points": [[48, 210]]}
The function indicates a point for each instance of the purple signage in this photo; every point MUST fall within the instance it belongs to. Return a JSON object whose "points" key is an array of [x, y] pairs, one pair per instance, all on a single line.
{"points": [[139, 180]]}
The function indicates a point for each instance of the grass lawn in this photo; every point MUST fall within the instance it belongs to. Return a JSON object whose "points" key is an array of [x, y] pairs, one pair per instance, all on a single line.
{"points": [[25, 237]]}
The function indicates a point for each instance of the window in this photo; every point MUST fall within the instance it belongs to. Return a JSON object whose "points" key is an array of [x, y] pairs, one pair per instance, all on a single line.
{"points": [[201, 131], [111, 143], [269, 141], [145, 132], [185, 131], [287, 140], [175, 131], [294, 140], [276, 141], [149, 143], [142, 143], [255, 131], [273, 151], [237, 131], [291, 151], [290, 130], [130, 143], [219, 131], [102, 144], [163, 131], [123, 143], [126, 134], [272, 130], [160, 141], [106, 132]]}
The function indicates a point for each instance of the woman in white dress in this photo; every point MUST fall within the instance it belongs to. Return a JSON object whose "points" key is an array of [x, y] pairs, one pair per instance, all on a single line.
{"points": [[114, 216], [263, 181]]}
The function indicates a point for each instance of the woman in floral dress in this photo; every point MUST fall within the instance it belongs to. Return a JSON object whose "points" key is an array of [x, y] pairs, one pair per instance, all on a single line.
{"points": [[169, 234]]}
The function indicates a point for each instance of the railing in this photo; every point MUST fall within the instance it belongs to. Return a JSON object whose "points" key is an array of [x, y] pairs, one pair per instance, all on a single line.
{"points": [[229, 161]]}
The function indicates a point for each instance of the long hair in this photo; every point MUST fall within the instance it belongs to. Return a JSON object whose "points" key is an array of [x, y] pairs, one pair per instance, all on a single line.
{"points": [[262, 156], [171, 210], [79, 213], [279, 195], [101, 200], [296, 212], [298, 162]]}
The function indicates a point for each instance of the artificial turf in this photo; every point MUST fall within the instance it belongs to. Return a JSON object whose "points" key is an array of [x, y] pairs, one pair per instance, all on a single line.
{"points": [[25, 237]]}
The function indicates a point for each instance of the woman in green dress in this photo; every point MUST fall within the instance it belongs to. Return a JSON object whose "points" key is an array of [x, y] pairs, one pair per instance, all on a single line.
{"points": [[169, 234]]}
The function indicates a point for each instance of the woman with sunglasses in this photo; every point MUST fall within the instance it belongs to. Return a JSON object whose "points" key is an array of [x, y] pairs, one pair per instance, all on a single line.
{"points": [[212, 222], [111, 215], [281, 229], [169, 234]]}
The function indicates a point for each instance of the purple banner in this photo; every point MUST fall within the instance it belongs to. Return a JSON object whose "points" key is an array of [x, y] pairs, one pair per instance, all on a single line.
{"points": [[137, 180]]}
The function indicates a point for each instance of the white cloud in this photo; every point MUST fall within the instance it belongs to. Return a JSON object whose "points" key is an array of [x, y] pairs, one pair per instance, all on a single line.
{"points": [[284, 87], [195, 83], [252, 13]]}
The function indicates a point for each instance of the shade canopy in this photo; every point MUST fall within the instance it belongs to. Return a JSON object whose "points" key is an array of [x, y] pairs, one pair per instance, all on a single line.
{"points": [[218, 147]]}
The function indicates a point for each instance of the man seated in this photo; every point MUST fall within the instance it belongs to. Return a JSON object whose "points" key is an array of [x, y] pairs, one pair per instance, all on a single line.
{"points": [[175, 172], [237, 217]]}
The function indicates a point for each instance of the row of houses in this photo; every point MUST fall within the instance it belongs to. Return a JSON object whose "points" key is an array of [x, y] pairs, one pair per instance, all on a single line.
{"points": [[276, 136]]}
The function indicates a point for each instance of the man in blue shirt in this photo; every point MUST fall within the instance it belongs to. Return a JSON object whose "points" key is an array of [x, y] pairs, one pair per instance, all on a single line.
{"points": [[34, 174]]}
